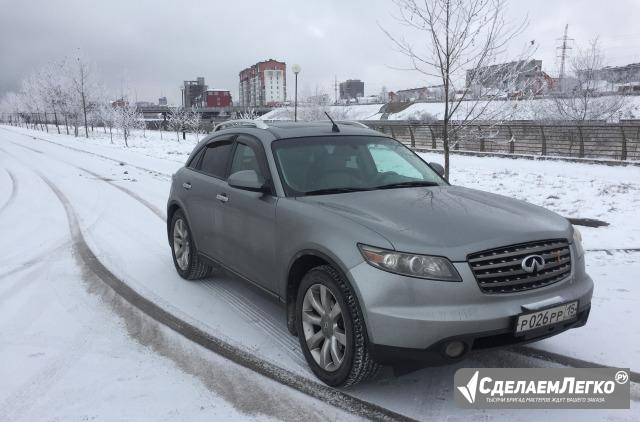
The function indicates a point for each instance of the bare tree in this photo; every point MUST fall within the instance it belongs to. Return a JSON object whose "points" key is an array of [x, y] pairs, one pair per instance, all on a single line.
{"points": [[193, 123], [384, 94], [178, 121], [11, 104], [84, 86], [32, 101], [249, 114], [107, 116], [584, 99], [127, 118], [53, 90], [461, 35]]}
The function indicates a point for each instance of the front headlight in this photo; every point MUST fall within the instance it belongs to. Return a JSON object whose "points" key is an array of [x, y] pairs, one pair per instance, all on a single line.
{"points": [[421, 266], [577, 242]]}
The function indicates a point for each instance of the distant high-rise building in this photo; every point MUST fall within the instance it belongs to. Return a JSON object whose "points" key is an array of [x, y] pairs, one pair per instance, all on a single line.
{"points": [[162, 101], [191, 90], [351, 89], [263, 84]]}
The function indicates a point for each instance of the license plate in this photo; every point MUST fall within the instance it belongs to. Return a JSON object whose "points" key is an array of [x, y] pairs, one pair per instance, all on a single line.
{"points": [[546, 317]]}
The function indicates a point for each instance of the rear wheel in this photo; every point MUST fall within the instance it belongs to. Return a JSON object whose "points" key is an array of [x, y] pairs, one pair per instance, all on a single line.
{"points": [[331, 330], [185, 256]]}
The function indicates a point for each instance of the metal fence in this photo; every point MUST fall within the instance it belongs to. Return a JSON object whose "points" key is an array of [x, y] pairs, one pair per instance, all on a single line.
{"points": [[589, 140]]}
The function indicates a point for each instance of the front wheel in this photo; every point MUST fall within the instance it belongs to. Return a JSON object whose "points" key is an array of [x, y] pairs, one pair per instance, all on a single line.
{"points": [[331, 329], [185, 256]]}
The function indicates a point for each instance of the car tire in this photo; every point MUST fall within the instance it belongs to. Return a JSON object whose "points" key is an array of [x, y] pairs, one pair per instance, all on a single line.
{"points": [[185, 255], [356, 364]]}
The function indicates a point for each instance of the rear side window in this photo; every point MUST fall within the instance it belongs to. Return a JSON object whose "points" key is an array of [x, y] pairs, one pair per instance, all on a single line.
{"points": [[215, 159], [196, 158]]}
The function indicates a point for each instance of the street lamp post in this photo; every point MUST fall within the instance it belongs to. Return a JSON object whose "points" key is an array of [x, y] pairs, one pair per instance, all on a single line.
{"points": [[296, 69]]}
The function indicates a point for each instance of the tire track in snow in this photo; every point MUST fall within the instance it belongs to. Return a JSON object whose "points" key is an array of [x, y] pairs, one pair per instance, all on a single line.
{"points": [[14, 190], [259, 319], [105, 157], [249, 312], [134, 195], [239, 356], [22, 281]]}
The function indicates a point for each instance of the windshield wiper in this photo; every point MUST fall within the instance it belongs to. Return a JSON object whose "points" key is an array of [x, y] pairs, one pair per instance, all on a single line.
{"points": [[411, 184], [329, 191]]}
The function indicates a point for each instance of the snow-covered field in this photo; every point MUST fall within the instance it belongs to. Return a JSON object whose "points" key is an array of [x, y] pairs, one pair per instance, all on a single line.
{"points": [[74, 355], [513, 110]]}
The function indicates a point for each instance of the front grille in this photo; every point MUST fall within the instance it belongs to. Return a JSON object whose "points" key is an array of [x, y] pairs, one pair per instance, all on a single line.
{"points": [[500, 270]]}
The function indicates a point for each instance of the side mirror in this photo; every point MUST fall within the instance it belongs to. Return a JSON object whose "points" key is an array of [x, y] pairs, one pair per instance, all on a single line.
{"points": [[438, 168], [247, 180]]}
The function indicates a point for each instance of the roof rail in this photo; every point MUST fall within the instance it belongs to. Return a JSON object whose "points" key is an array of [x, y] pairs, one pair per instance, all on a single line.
{"points": [[352, 123], [258, 124]]}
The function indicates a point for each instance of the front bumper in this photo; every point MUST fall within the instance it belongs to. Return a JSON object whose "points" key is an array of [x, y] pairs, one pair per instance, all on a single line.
{"points": [[435, 354], [413, 318]]}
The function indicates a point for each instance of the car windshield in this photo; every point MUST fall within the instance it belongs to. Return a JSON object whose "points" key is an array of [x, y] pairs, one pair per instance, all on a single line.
{"points": [[339, 164]]}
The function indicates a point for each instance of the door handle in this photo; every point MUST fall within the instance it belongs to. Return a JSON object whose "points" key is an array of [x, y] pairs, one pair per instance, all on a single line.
{"points": [[186, 185], [222, 197]]}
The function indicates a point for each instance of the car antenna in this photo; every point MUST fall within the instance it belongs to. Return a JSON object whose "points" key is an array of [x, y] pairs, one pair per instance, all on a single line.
{"points": [[335, 127]]}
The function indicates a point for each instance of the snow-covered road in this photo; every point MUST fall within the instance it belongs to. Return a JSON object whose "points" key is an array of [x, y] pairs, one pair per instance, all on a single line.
{"points": [[118, 197]]}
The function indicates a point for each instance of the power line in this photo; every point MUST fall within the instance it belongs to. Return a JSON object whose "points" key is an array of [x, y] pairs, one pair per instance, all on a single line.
{"points": [[563, 55]]}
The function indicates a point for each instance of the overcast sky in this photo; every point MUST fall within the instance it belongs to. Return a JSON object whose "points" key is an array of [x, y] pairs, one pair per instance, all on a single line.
{"points": [[152, 46]]}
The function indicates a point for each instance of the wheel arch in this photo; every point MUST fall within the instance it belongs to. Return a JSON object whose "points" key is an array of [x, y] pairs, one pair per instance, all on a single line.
{"points": [[300, 264], [172, 207]]}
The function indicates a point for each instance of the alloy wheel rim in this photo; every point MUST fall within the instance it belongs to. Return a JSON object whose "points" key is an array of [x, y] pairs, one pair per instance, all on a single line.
{"points": [[323, 326], [181, 244]]}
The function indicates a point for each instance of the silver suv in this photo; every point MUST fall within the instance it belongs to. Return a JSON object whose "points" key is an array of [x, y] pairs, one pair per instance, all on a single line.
{"points": [[377, 258]]}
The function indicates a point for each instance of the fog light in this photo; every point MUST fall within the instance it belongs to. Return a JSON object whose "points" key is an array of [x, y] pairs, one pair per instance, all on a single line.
{"points": [[454, 349]]}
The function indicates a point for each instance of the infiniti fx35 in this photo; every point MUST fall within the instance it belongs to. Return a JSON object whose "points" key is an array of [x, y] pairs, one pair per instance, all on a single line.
{"points": [[377, 258]]}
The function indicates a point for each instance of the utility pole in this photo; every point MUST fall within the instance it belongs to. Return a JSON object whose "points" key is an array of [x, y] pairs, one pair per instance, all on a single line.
{"points": [[335, 88], [564, 47]]}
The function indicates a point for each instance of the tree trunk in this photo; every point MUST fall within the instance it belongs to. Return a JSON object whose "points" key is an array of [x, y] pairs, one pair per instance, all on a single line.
{"points": [[184, 135], [111, 134], [445, 133], [55, 119], [84, 111], [434, 142], [581, 150]]}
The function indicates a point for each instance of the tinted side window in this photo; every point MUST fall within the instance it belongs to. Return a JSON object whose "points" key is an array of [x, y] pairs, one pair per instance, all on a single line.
{"points": [[214, 161], [196, 157], [245, 159]]}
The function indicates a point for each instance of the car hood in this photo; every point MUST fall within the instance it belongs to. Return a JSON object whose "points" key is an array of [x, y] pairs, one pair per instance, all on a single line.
{"points": [[449, 221]]}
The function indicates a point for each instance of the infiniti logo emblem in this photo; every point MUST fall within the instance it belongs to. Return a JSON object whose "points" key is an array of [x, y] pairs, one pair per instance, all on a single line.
{"points": [[533, 263]]}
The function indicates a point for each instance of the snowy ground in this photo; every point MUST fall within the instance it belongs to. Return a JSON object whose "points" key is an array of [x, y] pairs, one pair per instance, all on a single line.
{"points": [[513, 109], [61, 341]]}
